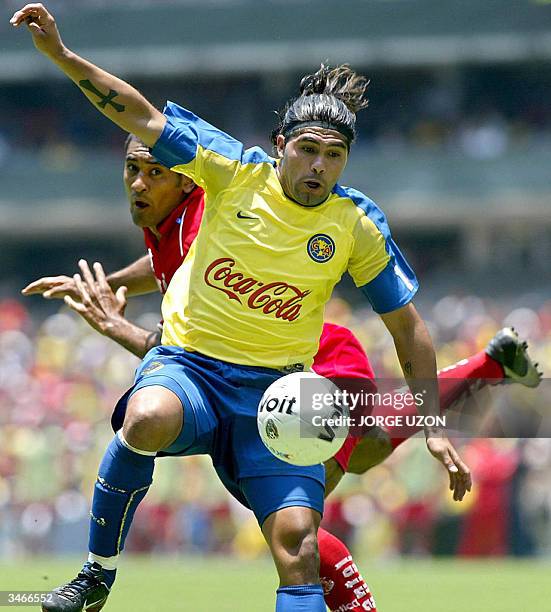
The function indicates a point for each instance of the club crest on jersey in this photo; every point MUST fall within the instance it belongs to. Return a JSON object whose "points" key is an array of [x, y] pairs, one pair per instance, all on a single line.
{"points": [[321, 248], [153, 367]]}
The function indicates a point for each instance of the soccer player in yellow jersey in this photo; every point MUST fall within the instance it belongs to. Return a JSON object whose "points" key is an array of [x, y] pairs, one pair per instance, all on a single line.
{"points": [[246, 307]]}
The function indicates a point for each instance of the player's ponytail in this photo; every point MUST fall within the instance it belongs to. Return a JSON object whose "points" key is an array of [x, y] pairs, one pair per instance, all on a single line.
{"points": [[341, 82], [328, 98]]}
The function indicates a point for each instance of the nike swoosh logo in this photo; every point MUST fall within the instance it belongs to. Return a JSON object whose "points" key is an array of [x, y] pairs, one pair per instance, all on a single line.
{"points": [[241, 215], [92, 605]]}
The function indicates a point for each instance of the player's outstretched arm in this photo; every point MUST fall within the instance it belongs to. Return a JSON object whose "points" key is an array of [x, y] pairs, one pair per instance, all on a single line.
{"points": [[104, 310], [115, 98], [138, 278], [418, 360], [52, 287]]}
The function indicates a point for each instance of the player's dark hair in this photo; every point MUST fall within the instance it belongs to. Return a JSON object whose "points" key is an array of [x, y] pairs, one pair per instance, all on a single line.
{"points": [[129, 139], [329, 98]]}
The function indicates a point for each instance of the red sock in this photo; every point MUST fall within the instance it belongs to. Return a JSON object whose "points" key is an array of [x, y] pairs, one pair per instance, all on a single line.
{"points": [[454, 381], [480, 365], [343, 587]]}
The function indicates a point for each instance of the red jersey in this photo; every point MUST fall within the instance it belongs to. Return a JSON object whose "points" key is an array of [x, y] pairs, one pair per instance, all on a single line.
{"points": [[178, 231], [340, 353]]}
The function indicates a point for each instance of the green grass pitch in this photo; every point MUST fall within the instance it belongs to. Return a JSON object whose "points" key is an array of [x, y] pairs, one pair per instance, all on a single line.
{"points": [[227, 585]]}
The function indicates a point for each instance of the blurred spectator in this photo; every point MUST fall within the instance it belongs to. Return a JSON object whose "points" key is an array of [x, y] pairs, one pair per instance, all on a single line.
{"points": [[484, 137], [59, 380]]}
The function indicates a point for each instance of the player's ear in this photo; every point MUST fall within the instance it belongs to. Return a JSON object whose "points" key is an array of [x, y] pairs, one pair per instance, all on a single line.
{"points": [[280, 145], [186, 184]]}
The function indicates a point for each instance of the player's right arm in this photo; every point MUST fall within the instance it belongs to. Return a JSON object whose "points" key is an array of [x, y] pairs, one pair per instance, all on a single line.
{"points": [[180, 140], [138, 278], [113, 97]]}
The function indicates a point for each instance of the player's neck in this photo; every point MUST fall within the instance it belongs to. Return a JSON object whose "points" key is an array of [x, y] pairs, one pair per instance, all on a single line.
{"points": [[155, 232]]}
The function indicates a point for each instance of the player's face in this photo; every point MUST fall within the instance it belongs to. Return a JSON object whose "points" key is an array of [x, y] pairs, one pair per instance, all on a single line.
{"points": [[311, 164], [152, 189]]}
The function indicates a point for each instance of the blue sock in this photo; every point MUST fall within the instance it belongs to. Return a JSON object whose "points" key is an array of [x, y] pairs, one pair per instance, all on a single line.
{"points": [[124, 477], [300, 598]]}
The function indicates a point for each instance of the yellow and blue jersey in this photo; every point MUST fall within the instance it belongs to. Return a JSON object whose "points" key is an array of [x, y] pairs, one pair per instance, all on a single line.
{"points": [[253, 287]]}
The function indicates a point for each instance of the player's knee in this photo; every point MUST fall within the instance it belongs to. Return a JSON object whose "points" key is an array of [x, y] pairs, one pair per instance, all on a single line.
{"points": [[299, 539], [153, 419], [300, 553]]}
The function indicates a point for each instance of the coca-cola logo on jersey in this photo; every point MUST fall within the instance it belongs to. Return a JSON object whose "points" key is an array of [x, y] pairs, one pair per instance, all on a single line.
{"points": [[278, 298]]}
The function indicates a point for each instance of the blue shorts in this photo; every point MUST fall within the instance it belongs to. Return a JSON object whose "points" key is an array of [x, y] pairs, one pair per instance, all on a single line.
{"points": [[220, 402]]}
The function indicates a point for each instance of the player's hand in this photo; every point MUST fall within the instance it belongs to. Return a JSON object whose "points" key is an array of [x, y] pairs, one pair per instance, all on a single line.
{"points": [[96, 303], [42, 26], [52, 287], [460, 476]]}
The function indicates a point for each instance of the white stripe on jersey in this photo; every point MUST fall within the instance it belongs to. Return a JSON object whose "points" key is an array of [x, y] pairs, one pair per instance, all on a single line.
{"points": [[403, 277]]}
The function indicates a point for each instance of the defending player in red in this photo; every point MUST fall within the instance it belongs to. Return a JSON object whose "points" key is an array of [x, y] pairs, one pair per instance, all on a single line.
{"points": [[168, 206], [198, 392]]}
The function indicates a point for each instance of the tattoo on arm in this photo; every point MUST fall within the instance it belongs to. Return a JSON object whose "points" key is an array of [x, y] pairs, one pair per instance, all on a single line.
{"points": [[104, 100], [408, 368]]}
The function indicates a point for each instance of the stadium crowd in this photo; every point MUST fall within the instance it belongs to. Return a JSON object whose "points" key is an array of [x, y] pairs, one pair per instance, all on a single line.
{"points": [[481, 113], [59, 380]]}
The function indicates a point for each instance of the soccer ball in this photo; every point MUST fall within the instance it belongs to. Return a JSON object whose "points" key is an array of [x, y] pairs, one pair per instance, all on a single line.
{"points": [[301, 418]]}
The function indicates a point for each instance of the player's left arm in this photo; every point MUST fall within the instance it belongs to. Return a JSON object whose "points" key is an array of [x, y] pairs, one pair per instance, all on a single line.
{"points": [[103, 309], [415, 352], [418, 361], [384, 276]]}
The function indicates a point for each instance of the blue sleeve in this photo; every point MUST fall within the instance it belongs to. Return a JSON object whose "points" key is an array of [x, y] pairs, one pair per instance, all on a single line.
{"points": [[395, 286], [184, 133]]}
